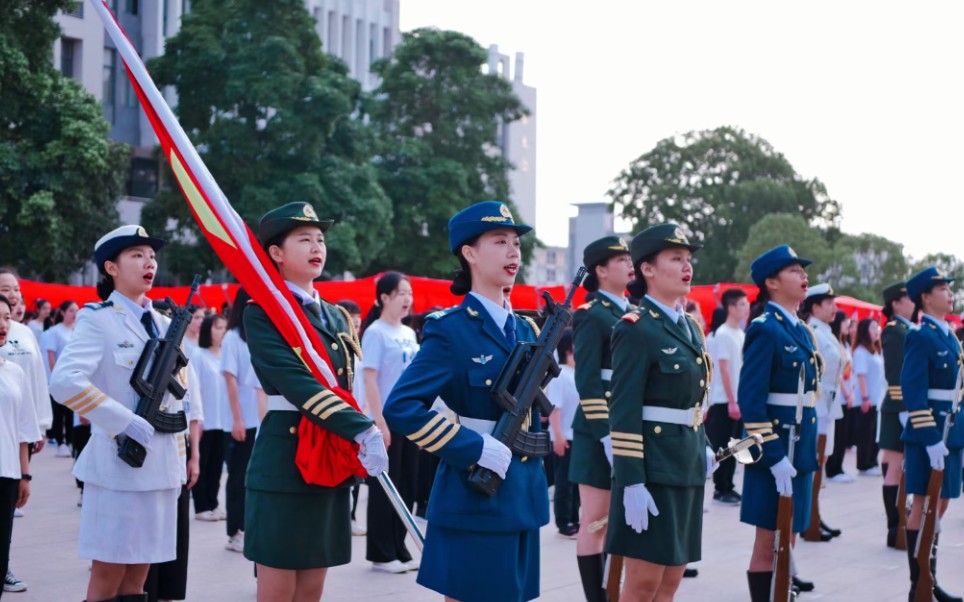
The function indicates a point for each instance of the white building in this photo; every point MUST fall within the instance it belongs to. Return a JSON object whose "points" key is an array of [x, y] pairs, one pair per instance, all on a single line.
{"points": [[592, 222], [549, 266], [359, 32], [518, 139]]}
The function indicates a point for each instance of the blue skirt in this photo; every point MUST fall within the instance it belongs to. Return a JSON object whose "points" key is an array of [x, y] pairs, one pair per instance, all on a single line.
{"points": [[477, 566], [918, 471], [759, 504]]}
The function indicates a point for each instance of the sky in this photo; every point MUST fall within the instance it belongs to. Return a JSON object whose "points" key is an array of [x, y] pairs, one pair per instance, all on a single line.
{"points": [[865, 96]]}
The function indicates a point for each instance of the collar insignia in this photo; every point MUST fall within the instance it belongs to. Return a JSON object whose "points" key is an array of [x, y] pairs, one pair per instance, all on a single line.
{"points": [[942, 353], [791, 348], [482, 359], [471, 312], [654, 314]]}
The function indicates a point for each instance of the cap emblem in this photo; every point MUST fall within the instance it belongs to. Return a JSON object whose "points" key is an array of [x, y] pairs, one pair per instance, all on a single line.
{"points": [[791, 252], [310, 212], [141, 232]]}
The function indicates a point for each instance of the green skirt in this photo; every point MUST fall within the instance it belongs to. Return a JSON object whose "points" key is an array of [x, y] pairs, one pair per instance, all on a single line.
{"points": [[672, 539], [587, 462], [890, 431]]}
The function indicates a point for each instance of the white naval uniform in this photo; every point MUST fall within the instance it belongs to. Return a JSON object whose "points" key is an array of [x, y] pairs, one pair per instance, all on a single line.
{"points": [[828, 406], [129, 514], [23, 349]]}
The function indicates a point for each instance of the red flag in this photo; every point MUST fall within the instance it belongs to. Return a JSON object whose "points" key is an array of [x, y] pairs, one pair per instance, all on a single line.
{"points": [[323, 457]]}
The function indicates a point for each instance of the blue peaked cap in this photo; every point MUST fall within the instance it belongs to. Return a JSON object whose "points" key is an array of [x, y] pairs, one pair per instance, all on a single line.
{"points": [[774, 260], [923, 280], [478, 219]]}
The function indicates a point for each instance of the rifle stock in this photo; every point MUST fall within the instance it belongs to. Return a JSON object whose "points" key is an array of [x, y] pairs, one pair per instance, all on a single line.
{"points": [[924, 591], [900, 542], [614, 577], [781, 550], [813, 531]]}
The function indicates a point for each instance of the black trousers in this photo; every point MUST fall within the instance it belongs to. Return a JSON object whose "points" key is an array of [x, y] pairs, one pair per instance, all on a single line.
{"points": [[213, 449], [866, 424], [565, 501], [168, 580], [719, 429], [80, 437], [841, 435], [9, 490], [239, 453], [62, 427], [385, 540]]}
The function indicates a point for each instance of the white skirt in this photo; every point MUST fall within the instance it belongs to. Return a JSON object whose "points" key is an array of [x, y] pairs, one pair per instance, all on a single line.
{"points": [[128, 527]]}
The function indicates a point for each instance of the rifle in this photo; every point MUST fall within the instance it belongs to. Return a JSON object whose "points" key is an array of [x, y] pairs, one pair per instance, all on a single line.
{"points": [[900, 542], [924, 590], [813, 531], [154, 376], [520, 386], [782, 577]]}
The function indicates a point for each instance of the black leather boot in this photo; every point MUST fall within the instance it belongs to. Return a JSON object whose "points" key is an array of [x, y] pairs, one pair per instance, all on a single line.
{"points": [[591, 569], [912, 562], [132, 597], [893, 518], [759, 585], [939, 594]]}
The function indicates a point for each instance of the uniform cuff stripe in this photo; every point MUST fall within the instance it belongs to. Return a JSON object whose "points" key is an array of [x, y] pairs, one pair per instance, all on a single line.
{"points": [[597, 416], [426, 428], [335, 408], [448, 437], [325, 394], [326, 404], [771, 438], [77, 397], [627, 453], [627, 445], [626, 436], [753, 425], [83, 408]]}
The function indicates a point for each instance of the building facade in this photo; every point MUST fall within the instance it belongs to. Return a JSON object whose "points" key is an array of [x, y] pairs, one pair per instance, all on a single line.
{"points": [[549, 266], [358, 32]]}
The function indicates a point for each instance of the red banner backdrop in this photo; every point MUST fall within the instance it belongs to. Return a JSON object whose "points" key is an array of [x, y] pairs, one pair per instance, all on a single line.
{"points": [[429, 293]]}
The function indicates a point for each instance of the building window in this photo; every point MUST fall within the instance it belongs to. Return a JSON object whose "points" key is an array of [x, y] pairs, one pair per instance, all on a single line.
{"points": [[550, 275], [332, 40], [110, 82], [68, 54], [164, 19], [131, 6], [143, 178], [386, 42], [346, 30], [551, 257], [75, 9], [372, 36]]}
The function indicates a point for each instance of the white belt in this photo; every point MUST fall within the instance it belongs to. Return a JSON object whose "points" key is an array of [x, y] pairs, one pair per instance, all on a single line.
{"points": [[789, 399], [689, 417], [940, 394], [279, 403], [606, 374], [478, 425]]}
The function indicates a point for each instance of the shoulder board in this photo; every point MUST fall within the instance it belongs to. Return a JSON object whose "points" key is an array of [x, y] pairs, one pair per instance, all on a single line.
{"points": [[99, 305], [586, 305], [891, 323], [761, 318], [632, 317], [442, 313]]}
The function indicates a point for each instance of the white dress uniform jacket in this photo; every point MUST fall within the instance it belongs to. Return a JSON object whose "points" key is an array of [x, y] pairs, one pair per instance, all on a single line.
{"points": [[829, 347], [92, 377]]}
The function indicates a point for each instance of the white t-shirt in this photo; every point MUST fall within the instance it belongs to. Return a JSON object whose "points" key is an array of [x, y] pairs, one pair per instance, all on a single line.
{"points": [[562, 392], [18, 419], [388, 350], [23, 349], [871, 366], [55, 339], [36, 327], [236, 360], [214, 390], [725, 344]]}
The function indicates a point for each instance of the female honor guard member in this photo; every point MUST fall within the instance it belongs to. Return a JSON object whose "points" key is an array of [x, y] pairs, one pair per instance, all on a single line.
{"points": [[477, 548], [777, 345], [129, 516], [929, 381], [661, 375], [899, 312], [610, 270], [296, 530]]}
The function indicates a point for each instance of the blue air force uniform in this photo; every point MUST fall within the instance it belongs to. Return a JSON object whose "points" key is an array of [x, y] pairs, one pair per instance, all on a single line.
{"points": [[777, 345], [928, 381], [476, 547]]}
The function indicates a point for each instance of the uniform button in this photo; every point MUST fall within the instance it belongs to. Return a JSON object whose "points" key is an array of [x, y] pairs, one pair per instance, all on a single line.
{"points": [[334, 346], [776, 421], [794, 364], [657, 429], [945, 365], [293, 430], [813, 420], [699, 361], [341, 371], [702, 383], [811, 360], [813, 382], [488, 382], [608, 394], [675, 366], [524, 458]]}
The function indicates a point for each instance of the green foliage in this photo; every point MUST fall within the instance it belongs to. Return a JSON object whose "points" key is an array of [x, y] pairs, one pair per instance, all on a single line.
{"points": [[781, 229], [864, 264], [437, 118], [717, 184], [949, 264], [271, 115]]}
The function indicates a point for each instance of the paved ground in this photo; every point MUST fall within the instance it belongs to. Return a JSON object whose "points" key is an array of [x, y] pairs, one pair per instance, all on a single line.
{"points": [[856, 566]]}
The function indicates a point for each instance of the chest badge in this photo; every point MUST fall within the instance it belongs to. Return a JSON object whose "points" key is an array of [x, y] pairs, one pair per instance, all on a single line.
{"points": [[791, 348], [669, 350], [125, 345], [482, 359], [942, 353]]}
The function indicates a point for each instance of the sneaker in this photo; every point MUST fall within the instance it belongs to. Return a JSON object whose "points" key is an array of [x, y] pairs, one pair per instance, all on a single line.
{"points": [[63, 451], [412, 564], [220, 514], [357, 530], [731, 498], [236, 543], [12, 584], [206, 516], [18, 512], [842, 478], [395, 567], [871, 472]]}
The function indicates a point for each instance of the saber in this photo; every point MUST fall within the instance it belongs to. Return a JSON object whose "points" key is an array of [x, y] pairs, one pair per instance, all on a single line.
{"points": [[738, 449], [401, 509]]}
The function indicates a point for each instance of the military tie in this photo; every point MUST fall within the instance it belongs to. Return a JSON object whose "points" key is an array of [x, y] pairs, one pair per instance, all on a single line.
{"points": [[681, 322], [509, 329], [148, 322], [315, 310]]}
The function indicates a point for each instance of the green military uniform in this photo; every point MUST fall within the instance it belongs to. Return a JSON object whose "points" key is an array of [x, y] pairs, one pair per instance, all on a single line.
{"points": [[592, 329], [660, 380], [291, 524], [892, 341]]}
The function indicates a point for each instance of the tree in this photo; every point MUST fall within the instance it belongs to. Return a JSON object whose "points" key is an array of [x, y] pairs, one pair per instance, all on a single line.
{"points": [[780, 229], [863, 265], [438, 118], [60, 175], [271, 115], [717, 184], [950, 265]]}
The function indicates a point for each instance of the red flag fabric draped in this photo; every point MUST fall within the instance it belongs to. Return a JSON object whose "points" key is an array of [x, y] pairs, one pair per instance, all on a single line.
{"points": [[323, 457]]}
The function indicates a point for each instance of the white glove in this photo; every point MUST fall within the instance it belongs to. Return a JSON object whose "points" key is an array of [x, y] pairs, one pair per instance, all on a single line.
{"points": [[495, 455], [139, 430], [936, 453], [607, 443], [638, 505], [372, 454], [783, 473], [902, 416], [711, 463]]}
